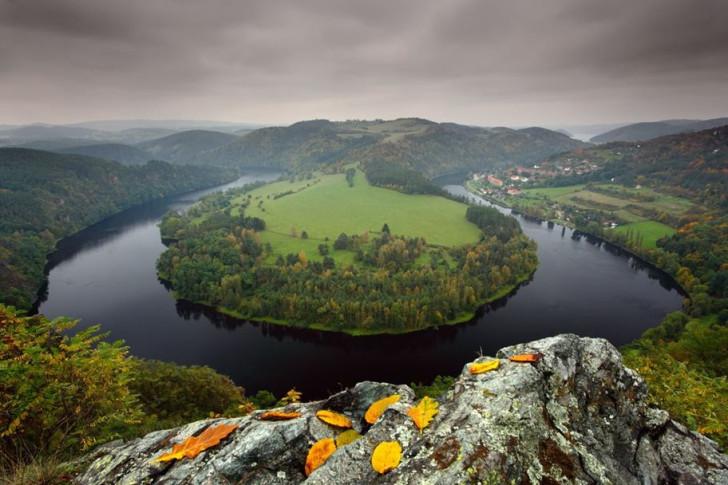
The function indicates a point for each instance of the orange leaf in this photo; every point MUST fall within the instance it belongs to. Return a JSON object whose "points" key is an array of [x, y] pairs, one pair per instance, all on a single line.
{"points": [[279, 415], [386, 456], [334, 419], [423, 413], [319, 453], [524, 358], [378, 407], [192, 446], [482, 367]]}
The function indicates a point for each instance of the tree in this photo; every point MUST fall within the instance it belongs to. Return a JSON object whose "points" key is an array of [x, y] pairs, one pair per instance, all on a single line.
{"points": [[323, 249], [342, 242], [385, 228], [304, 235]]}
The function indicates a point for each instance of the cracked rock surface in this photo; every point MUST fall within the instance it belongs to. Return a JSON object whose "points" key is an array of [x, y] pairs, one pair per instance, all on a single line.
{"points": [[576, 416]]}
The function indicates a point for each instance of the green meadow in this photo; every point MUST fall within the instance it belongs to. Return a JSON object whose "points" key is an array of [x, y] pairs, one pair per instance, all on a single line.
{"points": [[325, 206], [629, 205]]}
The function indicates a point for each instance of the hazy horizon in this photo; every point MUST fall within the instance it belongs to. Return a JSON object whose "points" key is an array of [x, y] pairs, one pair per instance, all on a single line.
{"points": [[554, 64]]}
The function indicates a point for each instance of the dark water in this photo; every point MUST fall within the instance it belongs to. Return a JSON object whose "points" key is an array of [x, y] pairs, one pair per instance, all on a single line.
{"points": [[106, 275]]}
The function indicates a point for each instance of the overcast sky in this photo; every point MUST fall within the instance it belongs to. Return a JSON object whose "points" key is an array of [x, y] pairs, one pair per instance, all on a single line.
{"points": [[502, 62]]}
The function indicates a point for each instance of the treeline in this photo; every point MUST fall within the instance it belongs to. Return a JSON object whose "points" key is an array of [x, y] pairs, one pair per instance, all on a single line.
{"points": [[392, 285], [398, 177], [46, 196], [492, 222]]}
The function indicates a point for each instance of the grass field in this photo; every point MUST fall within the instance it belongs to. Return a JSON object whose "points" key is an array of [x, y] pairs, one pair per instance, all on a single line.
{"points": [[627, 204], [650, 231], [326, 206]]}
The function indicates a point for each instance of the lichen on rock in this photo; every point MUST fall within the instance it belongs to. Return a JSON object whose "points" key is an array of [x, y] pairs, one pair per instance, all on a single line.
{"points": [[577, 415]]}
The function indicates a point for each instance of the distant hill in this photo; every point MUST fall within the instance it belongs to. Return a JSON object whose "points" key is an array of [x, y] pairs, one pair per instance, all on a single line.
{"points": [[186, 146], [690, 164], [432, 148], [654, 129], [47, 132], [124, 154], [53, 144], [27, 135], [170, 125]]}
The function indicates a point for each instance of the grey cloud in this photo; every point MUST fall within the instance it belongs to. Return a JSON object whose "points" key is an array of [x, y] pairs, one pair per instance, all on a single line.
{"points": [[485, 62]]}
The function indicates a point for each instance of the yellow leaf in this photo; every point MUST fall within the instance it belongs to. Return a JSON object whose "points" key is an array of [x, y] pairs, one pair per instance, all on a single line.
{"points": [[279, 415], [482, 367], [423, 413], [192, 446], [319, 453], [334, 419], [348, 436], [386, 456], [528, 358], [378, 407]]}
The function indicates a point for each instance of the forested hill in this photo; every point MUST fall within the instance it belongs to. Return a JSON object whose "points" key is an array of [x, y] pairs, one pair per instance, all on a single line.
{"points": [[654, 129], [186, 146], [689, 164], [428, 147], [45, 196]]}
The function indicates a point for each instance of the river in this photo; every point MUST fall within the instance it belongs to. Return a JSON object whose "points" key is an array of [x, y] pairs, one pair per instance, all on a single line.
{"points": [[106, 274]]}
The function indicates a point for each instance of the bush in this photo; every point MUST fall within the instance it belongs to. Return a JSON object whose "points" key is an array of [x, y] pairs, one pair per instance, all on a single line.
{"points": [[171, 394], [60, 393], [689, 395]]}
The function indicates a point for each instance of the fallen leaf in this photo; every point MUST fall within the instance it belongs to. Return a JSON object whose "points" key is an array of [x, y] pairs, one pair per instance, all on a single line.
{"points": [[279, 415], [319, 453], [386, 456], [334, 419], [482, 367], [525, 358], [423, 413], [378, 407], [348, 436], [192, 446]]}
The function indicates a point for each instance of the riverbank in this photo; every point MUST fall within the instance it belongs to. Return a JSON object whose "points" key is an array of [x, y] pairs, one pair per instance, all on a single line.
{"points": [[465, 317], [640, 255], [41, 292]]}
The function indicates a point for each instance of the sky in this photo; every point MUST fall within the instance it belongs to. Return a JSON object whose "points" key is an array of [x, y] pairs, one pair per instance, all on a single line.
{"points": [[481, 62]]}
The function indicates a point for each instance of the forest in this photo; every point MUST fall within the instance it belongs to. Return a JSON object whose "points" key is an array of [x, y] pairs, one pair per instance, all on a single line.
{"points": [[393, 284], [46, 196]]}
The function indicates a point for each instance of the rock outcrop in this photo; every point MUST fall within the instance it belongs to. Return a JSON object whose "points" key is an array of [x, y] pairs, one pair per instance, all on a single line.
{"points": [[576, 416]]}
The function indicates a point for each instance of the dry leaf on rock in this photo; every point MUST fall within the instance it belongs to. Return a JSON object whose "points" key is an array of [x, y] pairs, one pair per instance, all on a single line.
{"points": [[386, 456], [334, 419], [527, 358], [482, 367], [423, 413], [348, 436], [378, 407], [192, 446], [279, 415], [319, 453]]}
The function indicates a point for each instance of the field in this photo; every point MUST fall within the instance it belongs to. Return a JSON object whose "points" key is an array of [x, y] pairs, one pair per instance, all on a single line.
{"points": [[325, 206], [635, 210], [650, 231]]}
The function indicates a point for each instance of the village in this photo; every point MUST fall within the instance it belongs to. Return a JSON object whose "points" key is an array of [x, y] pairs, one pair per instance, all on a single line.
{"points": [[509, 182]]}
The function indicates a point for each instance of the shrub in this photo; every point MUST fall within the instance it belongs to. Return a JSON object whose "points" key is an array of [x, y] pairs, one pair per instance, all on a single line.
{"points": [[171, 394], [60, 393], [689, 395]]}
